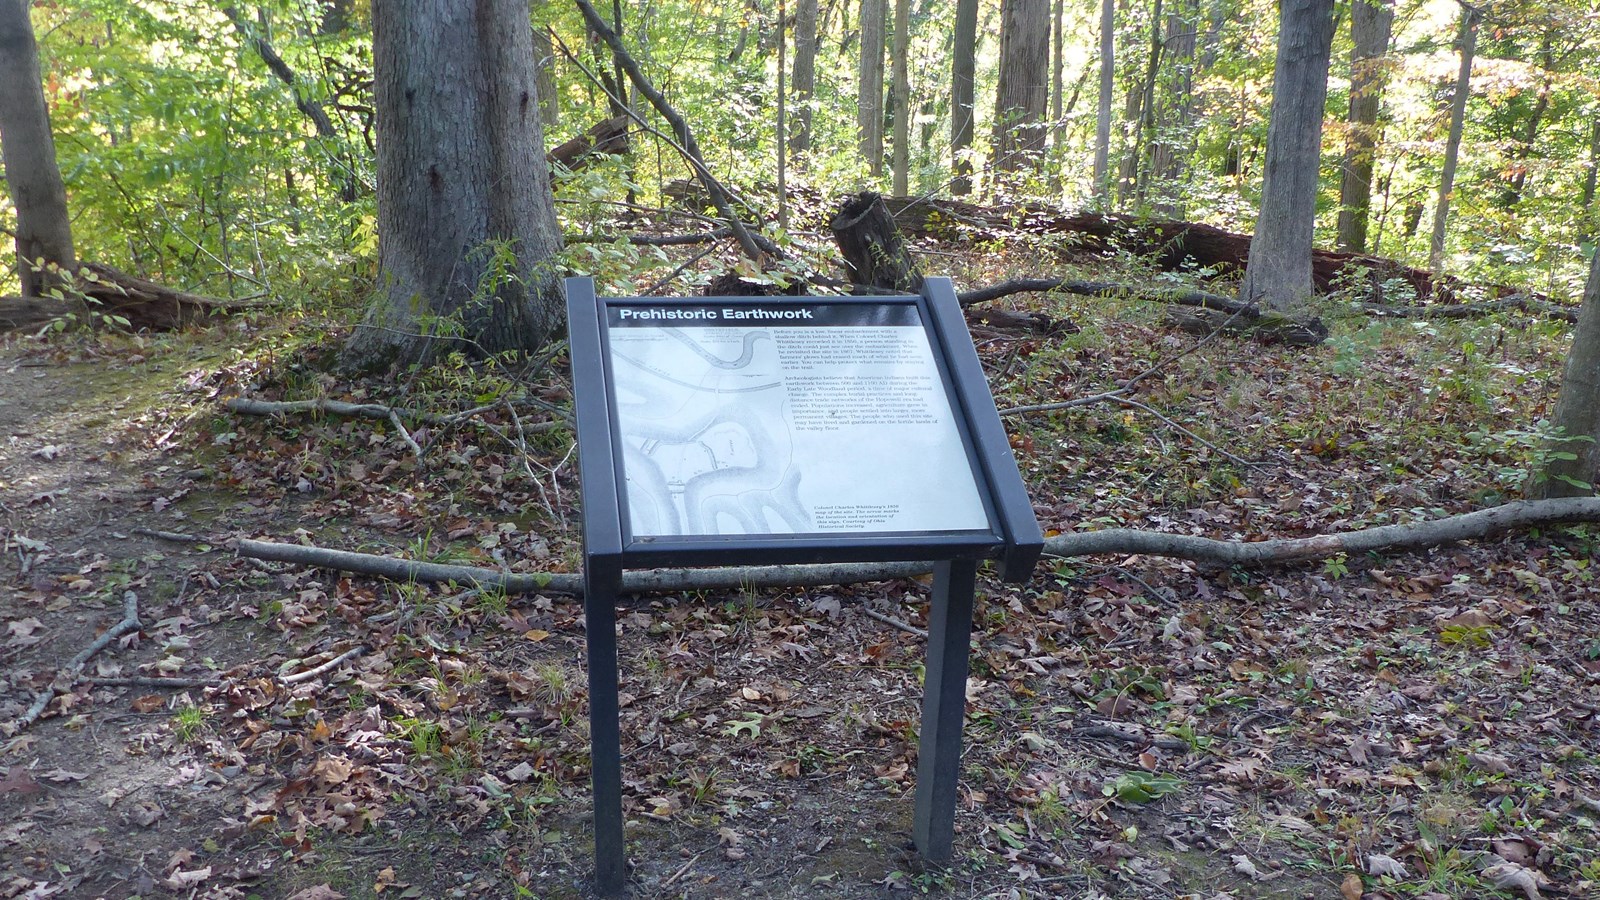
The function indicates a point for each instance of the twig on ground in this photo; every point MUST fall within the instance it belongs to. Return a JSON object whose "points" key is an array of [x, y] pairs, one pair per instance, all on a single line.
{"points": [[394, 419], [173, 536], [896, 623], [74, 667], [326, 667], [1236, 460], [154, 682]]}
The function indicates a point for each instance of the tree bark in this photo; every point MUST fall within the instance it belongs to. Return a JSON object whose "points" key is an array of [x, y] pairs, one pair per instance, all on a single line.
{"points": [[963, 69], [1370, 24], [466, 222], [869, 84], [45, 255], [1023, 89], [1577, 411], [1278, 274], [902, 95], [607, 137], [1102, 122], [1113, 542], [805, 74], [1452, 147], [1169, 144]]}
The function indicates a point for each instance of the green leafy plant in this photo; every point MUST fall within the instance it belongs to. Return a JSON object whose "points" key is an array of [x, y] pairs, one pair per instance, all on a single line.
{"points": [[1141, 787]]}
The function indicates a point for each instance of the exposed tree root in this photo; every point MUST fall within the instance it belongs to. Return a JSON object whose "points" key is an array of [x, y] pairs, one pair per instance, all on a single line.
{"points": [[1484, 523]]}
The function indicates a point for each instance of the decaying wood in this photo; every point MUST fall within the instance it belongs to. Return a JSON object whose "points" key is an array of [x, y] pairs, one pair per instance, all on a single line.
{"points": [[1515, 516], [146, 306], [607, 137], [875, 254], [1269, 327]]}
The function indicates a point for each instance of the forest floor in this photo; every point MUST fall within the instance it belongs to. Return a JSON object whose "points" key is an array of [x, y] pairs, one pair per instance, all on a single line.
{"points": [[1409, 725]]}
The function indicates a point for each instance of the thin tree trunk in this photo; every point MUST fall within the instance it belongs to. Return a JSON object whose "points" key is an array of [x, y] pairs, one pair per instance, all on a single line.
{"points": [[545, 65], [783, 123], [1058, 124], [1452, 147], [963, 68], [869, 84], [1022, 93], [1278, 273], [1170, 141], [902, 94], [1577, 411], [1108, 83], [1371, 22], [805, 74], [44, 230], [1141, 111], [1530, 132], [1591, 177]]}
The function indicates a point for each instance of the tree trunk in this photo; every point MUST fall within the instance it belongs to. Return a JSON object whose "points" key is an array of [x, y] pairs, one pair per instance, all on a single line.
{"points": [[44, 231], [1370, 24], [1452, 147], [874, 252], [1279, 271], [1577, 406], [1517, 166], [1022, 93], [1170, 141], [1590, 178], [466, 223], [869, 84], [963, 68], [805, 74], [902, 94], [1108, 83], [1058, 122]]}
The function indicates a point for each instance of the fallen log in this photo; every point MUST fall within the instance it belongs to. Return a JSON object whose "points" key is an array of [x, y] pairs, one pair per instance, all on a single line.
{"points": [[607, 137], [1185, 246], [1484, 523], [111, 296]]}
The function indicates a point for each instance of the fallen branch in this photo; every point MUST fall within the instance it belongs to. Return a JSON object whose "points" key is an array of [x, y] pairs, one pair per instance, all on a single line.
{"points": [[895, 623], [690, 148], [326, 667], [167, 684], [72, 673], [1517, 515], [247, 406], [653, 240]]}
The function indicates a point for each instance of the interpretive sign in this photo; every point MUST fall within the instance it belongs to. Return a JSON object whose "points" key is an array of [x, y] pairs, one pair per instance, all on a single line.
{"points": [[733, 418], [781, 430]]}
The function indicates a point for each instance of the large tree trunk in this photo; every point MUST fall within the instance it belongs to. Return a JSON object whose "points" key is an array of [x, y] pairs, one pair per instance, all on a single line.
{"points": [[1452, 147], [466, 223], [1102, 122], [869, 84], [1022, 93], [1578, 406], [963, 69], [875, 255], [902, 94], [1370, 24], [1278, 274], [805, 74], [44, 231]]}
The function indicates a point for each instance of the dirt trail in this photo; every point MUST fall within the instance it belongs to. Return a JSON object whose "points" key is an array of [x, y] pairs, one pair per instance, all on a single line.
{"points": [[89, 804]]}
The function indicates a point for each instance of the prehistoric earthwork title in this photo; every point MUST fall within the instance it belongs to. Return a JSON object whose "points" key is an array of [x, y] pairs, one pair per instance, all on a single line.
{"points": [[724, 315]]}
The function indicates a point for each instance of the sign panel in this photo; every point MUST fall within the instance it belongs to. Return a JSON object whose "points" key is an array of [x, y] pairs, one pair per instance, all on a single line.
{"points": [[785, 418]]}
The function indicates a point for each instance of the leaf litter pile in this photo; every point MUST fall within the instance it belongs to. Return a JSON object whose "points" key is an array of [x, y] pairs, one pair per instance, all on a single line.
{"points": [[1414, 725]]}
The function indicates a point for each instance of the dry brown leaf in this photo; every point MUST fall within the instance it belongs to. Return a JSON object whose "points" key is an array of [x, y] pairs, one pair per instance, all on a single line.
{"points": [[320, 892], [1351, 889]]}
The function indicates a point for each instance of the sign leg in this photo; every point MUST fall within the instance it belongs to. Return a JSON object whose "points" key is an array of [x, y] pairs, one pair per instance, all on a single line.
{"points": [[944, 708], [602, 585]]}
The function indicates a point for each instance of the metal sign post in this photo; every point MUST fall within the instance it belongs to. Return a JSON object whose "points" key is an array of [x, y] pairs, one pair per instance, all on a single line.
{"points": [[710, 434]]}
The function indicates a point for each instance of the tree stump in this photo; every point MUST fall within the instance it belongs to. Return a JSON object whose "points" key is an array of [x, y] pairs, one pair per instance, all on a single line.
{"points": [[875, 254]]}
